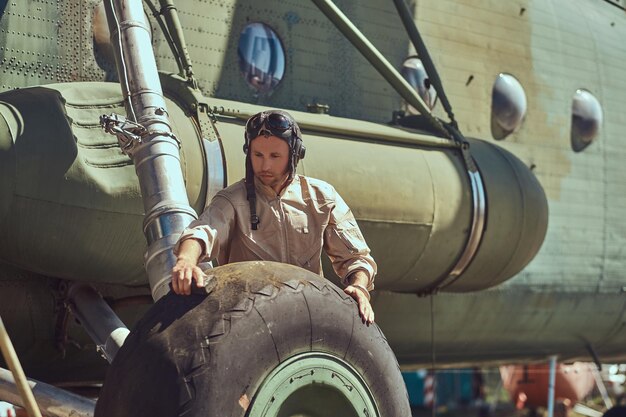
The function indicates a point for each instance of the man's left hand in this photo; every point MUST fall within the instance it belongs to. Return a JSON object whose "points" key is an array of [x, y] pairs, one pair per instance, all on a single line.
{"points": [[365, 308]]}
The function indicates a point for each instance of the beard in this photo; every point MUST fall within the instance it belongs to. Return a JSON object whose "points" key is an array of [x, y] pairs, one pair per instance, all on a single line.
{"points": [[273, 180]]}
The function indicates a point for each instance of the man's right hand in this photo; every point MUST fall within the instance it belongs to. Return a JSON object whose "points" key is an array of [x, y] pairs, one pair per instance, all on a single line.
{"points": [[187, 268]]}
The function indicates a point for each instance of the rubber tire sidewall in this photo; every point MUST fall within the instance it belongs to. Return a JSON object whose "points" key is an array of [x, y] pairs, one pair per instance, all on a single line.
{"points": [[192, 356]]}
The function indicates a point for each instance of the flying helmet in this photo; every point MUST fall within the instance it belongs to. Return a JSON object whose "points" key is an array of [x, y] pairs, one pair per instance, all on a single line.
{"points": [[268, 123]]}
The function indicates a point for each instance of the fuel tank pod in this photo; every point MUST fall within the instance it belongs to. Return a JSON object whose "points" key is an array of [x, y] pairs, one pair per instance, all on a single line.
{"points": [[70, 204], [516, 219], [414, 205]]}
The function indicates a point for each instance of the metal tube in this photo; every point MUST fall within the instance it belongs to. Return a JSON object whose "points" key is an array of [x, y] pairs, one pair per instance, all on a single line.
{"points": [[355, 130], [551, 383], [379, 62], [422, 52], [25, 393], [168, 37], [156, 157], [101, 323], [477, 229], [601, 387], [53, 401], [169, 12]]}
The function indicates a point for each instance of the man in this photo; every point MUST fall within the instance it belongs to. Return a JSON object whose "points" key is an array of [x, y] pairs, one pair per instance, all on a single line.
{"points": [[276, 215]]}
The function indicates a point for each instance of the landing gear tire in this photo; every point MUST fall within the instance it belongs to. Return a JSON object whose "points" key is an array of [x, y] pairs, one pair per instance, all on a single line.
{"points": [[268, 340]]}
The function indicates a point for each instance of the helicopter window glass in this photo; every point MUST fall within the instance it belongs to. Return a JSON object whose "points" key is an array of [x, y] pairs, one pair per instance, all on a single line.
{"points": [[413, 71], [586, 119], [508, 106], [261, 57]]}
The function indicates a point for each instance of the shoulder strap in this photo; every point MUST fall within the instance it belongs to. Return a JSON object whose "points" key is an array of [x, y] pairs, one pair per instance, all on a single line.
{"points": [[304, 187]]}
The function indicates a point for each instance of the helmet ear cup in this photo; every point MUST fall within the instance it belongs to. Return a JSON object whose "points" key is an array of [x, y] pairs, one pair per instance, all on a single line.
{"points": [[301, 151], [298, 149], [246, 143]]}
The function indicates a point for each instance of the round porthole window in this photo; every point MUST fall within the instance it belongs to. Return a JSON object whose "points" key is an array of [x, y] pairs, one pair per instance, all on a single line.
{"points": [[508, 106], [261, 57], [415, 74], [586, 119]]}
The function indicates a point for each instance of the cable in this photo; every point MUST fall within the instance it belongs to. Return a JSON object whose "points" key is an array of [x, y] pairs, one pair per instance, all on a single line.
{"points": [[168, 36], [123, 63]]}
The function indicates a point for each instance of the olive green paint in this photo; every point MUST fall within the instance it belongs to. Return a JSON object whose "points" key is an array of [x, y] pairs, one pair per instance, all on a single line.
{"points": [[68, 225]]}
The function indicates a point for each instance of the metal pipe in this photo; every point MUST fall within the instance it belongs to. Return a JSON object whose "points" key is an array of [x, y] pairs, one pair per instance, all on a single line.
{"points": [[551, 383], [168, 37], [422, 52], [601, 387], [53, 401], [10, 357], [379, 62], [155, 151], [338, 126], [170, 13], [586, 411], [101, 323], [477, 228]]}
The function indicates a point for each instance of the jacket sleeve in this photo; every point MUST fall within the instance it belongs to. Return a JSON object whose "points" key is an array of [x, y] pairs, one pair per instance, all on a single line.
{"points": [[345, 245], [212, 229]]}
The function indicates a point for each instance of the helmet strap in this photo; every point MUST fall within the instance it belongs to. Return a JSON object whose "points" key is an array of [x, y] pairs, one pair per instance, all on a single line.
{"points": [[251, 194]]}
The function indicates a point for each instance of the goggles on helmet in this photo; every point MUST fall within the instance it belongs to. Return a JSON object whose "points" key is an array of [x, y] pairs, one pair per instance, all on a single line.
{"points": [[270, 124]]}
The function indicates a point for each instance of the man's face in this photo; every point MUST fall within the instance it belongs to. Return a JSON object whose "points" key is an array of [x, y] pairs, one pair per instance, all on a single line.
{"points": [[270, 160]]}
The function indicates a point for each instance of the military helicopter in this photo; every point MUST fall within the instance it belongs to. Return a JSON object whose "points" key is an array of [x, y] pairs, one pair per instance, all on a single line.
{"points": [[474, 268]]}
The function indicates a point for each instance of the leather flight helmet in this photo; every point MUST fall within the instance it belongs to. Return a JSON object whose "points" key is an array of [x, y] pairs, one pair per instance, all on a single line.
{"points": [[268, 123]]}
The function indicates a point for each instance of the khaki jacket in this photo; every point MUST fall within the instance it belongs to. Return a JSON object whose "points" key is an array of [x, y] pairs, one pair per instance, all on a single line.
{"points": [[294, 227]]}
